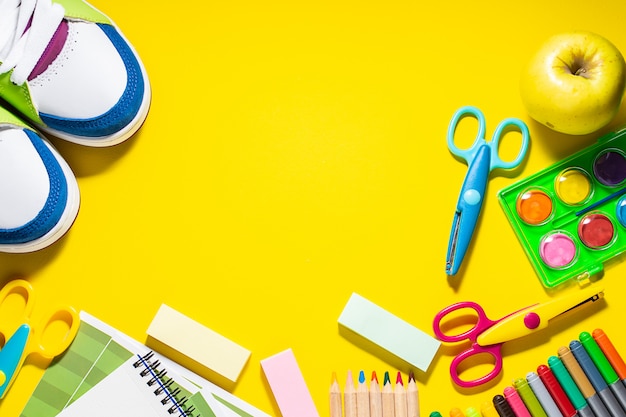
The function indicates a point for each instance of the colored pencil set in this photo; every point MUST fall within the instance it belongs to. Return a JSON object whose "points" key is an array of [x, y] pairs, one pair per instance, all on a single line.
{"points": [[372, 400], [586, 379]]}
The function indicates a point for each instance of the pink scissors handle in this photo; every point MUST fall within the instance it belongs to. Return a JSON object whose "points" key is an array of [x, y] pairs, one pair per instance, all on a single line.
{"points": [[476, 349], [483, 323]]}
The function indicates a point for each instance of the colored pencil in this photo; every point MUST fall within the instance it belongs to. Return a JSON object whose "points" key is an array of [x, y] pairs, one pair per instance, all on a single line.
{"points": [[376, 400], [335, 397], [387, 396], [362, 397], [349, 398], [399, 396], [412, 397]]}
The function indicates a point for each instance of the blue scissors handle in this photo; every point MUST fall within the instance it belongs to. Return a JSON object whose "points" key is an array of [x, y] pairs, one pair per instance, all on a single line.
{"points": [[503, 127], [482, 157]]}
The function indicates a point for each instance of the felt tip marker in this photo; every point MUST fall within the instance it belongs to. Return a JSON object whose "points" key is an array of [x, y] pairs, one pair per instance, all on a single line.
{"points": [[488, 410], [556, 391], [601, 387], [569, 386], [529, 398], [471, 412], [516, 403], [604, 367], [583, 383], [456, 412], [502, 406], [611, 353], [542, 394]]}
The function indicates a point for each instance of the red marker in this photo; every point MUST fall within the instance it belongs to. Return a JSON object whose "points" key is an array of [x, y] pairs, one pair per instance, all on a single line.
{"points": [[556, 391]]}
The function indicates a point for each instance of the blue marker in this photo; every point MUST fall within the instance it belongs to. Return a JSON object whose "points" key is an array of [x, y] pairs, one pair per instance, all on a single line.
{"points": [[596, 379]]}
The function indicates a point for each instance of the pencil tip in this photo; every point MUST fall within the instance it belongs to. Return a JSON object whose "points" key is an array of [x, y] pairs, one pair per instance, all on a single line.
{"points": [[361, 377], [411, 376], [334, 377], [387, 380], [399, 378], [374, 377]]}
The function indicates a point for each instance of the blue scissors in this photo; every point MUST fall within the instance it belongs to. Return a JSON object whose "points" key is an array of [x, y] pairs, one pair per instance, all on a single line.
{"points": [[482, 157], [48, 339]]}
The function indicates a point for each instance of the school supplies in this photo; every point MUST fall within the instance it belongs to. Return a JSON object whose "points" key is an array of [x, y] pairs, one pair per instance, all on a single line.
{"points": [[604, 367], [482, 158], [560, 384], [393, 334], [98, 353], [373, 401], [570, 218], [140, 387], [487, 336], [22, 337], [288, 385]]}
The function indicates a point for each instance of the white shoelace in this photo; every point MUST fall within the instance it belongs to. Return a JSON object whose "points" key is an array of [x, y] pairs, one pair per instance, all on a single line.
{"points": [[21, 48]]}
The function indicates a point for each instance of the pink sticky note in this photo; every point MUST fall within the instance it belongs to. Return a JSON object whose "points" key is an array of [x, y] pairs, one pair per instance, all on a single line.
{"points": [[288, 385]]}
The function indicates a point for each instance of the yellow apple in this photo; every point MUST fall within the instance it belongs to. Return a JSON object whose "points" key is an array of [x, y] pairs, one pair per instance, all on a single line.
{"points": [[574, 83]]}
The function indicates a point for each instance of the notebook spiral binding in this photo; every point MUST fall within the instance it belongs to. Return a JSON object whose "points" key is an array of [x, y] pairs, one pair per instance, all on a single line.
{"points": [[157, 378]]}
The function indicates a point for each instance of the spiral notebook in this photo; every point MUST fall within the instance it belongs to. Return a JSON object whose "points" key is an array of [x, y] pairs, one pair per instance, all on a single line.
{"points": [[140, 387], [97, 377]]}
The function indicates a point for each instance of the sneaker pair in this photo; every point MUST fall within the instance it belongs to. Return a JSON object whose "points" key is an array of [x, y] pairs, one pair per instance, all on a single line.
{"points": [[65, 70]]}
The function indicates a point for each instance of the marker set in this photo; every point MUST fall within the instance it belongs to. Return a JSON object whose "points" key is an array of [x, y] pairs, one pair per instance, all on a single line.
{"points": [[586, 379], [571, 217]]}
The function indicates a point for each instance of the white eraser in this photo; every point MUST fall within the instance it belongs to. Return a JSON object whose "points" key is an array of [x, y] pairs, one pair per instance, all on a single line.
{"points": [[389, 332], [199, 343]]}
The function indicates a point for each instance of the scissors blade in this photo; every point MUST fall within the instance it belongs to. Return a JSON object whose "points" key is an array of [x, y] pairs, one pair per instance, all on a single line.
{"points": [[468, 208], [537, 316], [12, 357]]}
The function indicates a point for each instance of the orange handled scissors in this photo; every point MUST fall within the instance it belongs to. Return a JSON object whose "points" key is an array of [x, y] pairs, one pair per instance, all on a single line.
{"points": [[20, 337]]}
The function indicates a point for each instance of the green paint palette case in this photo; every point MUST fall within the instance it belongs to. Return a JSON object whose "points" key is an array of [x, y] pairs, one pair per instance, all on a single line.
{"points": [[570, 218]]}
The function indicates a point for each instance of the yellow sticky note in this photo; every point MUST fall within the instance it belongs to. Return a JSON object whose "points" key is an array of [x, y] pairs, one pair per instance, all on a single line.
{"points": [[206, 348]]}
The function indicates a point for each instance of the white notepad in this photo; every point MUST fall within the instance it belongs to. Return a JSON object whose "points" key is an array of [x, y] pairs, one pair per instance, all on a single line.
{"points": [[138, 388]]}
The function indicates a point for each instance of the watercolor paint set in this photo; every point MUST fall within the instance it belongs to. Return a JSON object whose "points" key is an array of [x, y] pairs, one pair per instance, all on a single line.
{"points": [[570, 218]]}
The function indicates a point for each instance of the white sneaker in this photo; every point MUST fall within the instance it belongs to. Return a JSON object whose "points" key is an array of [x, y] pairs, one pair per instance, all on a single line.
{"points": [[67, 68], [39, 197]]}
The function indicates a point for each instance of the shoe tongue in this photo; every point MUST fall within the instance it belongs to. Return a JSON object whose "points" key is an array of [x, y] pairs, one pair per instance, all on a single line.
{"points": [[52, 50]]}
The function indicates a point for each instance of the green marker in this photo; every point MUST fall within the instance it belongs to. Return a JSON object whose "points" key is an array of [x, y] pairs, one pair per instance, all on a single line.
{"points": [[435, 414], [471, 412], [530, 399], [604, 366], [569, 386]]}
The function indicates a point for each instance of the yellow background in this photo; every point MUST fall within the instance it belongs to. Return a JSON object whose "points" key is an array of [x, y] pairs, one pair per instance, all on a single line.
{"points": [[295, 152]]}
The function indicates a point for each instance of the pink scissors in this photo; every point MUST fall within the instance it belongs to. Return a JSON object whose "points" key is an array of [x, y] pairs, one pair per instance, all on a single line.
{"points": [[487, 336]]}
